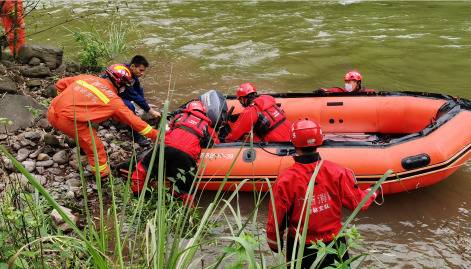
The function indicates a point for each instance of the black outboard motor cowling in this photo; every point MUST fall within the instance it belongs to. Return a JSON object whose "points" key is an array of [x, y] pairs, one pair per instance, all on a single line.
{"points": [[216, 107]]}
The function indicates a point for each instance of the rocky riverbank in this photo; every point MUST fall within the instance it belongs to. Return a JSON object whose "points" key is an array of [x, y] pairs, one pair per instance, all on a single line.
{"points": [[26, 89]]}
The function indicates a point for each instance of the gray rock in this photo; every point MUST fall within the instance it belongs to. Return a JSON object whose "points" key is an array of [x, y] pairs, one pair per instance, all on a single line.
{"points": [[39, 71], [3, 69], [61, 69], [40, 170], [73, 175], [74, 164], [70, 195], [44, 124], [70, 141], [25, 142], [41, 179], [32, 83], [42, 157], [59, 221], [3, 136], [51, 140], [50, 91], [49, 150], [29, 165], [14, 107], [51, 56], [109, 136], [22, 154], [16, 145], [7, 62], [36, 153], [7, 85], [55, 171], [8, 163], [46, 163], [61, 157], [72, 67], [74, 182], [32, 135], [34, 61]]}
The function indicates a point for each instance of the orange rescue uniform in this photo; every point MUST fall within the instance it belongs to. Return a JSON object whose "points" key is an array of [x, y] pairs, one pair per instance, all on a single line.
{"points": [[13, 25], [91, 99]]}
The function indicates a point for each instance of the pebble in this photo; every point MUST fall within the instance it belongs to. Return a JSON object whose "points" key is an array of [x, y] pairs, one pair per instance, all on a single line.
{"points": [[8, 163], [32, 135], [70, 195], [42, 157], [3, 136], [36, 153], [44, 124], [16, 146], [22, 154], [73, 182], [61, 157], [55, 171], [51, 140], [40, 170], [41, 179], [26, 142], [45, 163], [60, 222], [30, 165]]}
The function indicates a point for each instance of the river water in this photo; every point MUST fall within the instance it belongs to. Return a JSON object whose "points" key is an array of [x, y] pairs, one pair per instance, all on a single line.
{"points": [[298, 47]]}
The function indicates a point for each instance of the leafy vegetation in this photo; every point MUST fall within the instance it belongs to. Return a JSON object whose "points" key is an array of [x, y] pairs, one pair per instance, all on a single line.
{"points": [[99, 46], [152, 231]]}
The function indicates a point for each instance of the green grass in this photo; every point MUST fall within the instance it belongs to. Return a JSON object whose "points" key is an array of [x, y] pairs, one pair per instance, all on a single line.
{"points": [[103, 44], [147, 232]]}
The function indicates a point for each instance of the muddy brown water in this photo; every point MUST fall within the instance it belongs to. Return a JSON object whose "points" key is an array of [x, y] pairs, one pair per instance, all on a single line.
{"points": [[297, 47]]}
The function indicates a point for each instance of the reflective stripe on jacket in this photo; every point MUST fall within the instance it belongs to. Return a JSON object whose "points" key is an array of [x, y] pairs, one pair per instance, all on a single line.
{"points": [[90, 98]]}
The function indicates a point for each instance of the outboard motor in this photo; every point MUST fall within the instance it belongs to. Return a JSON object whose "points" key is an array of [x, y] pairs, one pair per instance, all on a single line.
{"points": [[216, 107]]}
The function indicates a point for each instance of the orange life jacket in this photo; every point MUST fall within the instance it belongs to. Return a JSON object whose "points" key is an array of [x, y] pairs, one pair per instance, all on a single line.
{"points": [[193, 122], [270, 115]]}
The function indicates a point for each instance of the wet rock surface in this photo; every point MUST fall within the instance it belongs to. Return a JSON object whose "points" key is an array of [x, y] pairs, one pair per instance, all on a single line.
{"points": [[51, 56], [61, 157], [7, 85], [39, 71], [19, 109]]}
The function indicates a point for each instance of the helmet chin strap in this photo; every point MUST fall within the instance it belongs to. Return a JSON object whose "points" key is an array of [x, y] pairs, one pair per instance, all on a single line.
{"points": [[112, 82]]}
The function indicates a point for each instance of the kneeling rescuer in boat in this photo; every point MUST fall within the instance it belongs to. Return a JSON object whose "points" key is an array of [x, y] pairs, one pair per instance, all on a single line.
{"points": [[261, 113]]}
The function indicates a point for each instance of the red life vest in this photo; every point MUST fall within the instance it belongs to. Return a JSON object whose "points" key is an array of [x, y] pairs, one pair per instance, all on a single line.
{"points": [[270, 115], [193, 122]]}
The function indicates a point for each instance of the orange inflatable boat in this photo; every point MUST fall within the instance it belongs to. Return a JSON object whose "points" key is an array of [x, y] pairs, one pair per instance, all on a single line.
{"points": [[422, 137]]}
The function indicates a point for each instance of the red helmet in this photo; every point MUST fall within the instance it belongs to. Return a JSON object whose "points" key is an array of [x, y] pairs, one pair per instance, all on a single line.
{"points": [[353, 75], [120, 74], [245, 89], [196, 105], [306, 133]]}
